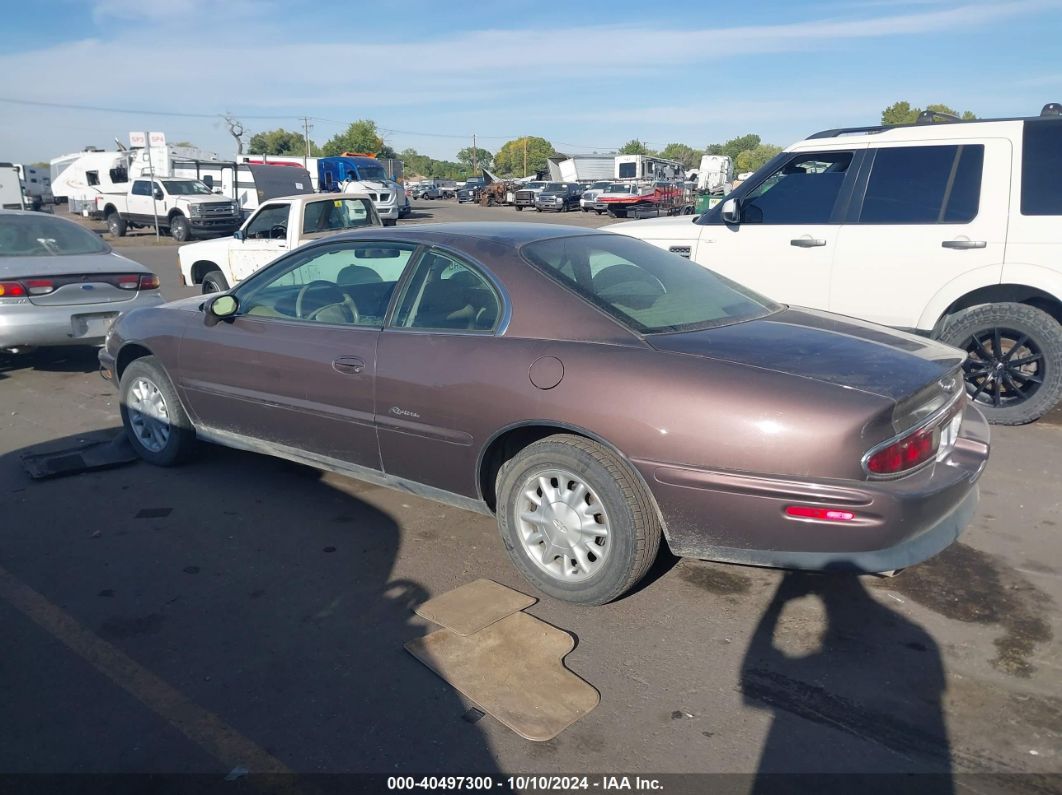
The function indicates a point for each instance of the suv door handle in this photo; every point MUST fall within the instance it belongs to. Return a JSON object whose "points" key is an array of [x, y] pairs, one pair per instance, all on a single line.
{"points": [[348, 365], [807, 242], [964, 244]]}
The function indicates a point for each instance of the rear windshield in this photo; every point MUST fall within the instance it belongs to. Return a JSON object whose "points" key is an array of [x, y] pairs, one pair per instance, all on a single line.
{"points": [[644, 287], [39, 235], [336, 214]]}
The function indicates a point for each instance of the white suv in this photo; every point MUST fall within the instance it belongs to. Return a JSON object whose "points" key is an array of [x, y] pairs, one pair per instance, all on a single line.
{"points": [[951, 230]]}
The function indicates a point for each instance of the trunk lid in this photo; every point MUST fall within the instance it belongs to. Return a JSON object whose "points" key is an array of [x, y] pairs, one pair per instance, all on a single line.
{"points": [[80, 278], [829, 348]]}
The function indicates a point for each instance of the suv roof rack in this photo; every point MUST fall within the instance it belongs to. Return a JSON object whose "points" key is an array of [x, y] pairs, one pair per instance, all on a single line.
{"points": [[1050, 110]]}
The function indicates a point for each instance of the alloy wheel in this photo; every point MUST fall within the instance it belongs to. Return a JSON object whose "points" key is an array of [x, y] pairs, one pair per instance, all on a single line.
{"points": [[563, 525], [148, 415], [1003, 367]]}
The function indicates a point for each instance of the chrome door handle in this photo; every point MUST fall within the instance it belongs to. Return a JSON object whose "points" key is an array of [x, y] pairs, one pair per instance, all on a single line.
{"points": [[807, 242], [964, 244], [348, 365]]}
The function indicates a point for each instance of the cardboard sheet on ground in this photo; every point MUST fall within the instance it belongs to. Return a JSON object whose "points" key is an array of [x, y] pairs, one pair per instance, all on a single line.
{"points": [[474, 606], [513, 670], [101, 453]]}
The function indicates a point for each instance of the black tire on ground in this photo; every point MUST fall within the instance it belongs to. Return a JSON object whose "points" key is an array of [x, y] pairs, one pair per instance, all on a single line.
{"points": [[181, 441], [116, 225], [180, 230], [390, 222], [519, 208], [599, 212], [215, 282], [586, 209], [1014, 369], [634, 529]]}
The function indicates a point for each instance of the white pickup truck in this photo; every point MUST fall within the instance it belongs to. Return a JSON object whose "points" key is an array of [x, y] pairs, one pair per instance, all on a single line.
{"points": [[184, 208], [278, 226]]}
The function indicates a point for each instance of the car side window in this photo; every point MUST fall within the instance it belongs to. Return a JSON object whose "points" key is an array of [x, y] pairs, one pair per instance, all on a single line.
{"points": [[140, 188], [445, 294], [271, 222], [1041, 167], [924, 185], [803, 191], [347, 283], [335, 214]]}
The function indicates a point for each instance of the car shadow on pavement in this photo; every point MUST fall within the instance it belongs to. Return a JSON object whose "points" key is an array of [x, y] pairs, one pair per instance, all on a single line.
{"points": [[260, 590], [69, 359], [875, 676]]}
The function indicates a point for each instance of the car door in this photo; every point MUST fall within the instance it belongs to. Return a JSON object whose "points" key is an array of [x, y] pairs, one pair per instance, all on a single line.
{"points": [[428, 400], [138, 201], [918, 221], [264, 239], [296, 365], [784, 245]]}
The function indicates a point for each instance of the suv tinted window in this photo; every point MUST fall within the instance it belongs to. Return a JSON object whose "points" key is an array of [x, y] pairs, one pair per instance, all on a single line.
{"points": [[1041, 168], [924, 185], [803, 191]]}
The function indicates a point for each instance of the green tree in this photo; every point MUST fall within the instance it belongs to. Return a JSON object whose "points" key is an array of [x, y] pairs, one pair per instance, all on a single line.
{"points": [[743, 143], [280, 142], [482, 158], [634, 147], [186, 143], [752, 159], [530, 149], [713, 149], [687, 155], [903, 113], [360, 136]]}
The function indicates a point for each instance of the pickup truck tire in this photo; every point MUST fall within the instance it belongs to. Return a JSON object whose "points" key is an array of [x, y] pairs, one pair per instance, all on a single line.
{"points": [[519, 208], [116, 225], [179, 228], [155, 422], [1014, 366], [389, 222], [215, 282]]}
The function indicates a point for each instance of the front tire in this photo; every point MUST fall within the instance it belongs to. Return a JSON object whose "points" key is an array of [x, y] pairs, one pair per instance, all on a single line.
{"points": [[576, 521], [1014, 367], [180, 229], [390, 222], [154, 420], [215, 282]]}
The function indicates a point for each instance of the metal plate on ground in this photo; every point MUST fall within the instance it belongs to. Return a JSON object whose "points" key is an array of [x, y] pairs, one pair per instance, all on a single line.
{"points": [[513, 670], [472, 607]]}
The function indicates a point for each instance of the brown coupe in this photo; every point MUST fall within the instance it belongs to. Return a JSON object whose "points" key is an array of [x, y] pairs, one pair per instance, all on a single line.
{"points": [[591, 390]]}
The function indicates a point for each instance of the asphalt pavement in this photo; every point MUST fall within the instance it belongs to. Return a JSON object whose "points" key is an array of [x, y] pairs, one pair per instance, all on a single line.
{"points": [[241, 612]]}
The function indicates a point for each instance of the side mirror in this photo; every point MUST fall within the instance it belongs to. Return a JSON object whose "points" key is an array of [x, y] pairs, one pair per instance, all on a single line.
{"points": [[731, 211], [238, 234], [158, 195], [220, 308]]}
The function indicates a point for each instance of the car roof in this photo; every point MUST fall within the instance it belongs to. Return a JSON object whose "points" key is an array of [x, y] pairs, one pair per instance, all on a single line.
{"points": [[513, 233]]}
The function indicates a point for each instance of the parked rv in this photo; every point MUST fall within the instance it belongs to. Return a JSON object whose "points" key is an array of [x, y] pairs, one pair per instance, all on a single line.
{"points": [[11, 194]]}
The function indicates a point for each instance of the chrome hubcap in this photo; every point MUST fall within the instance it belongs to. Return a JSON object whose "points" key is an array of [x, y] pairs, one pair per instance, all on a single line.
{"points": [[148, 415], [562, 524]]}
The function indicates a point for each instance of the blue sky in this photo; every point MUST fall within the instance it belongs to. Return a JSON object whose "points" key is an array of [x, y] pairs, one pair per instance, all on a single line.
{"points": [[588, 76]]}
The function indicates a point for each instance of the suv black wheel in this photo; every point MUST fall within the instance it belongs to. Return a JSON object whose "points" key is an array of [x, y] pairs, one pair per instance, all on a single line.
{"points": [[1014, 366], [576, 521]]}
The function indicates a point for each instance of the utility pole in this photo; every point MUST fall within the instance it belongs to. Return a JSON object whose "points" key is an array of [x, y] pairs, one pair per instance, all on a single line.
{"points": [[306, 127], [525, 155], [475, 158]]}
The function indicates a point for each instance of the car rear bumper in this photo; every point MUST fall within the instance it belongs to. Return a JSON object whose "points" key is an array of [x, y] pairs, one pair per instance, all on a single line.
{"points": [[31, 325], [739, 517]]}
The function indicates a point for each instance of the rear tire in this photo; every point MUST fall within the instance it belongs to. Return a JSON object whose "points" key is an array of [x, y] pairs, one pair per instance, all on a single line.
{"points": [[116, 225], [154, 420], [179, 228], [215, 282], [1022, 380], [519, 208], [596, 526]]}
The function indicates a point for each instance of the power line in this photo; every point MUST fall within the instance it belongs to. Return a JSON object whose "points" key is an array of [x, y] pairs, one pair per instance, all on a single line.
{"points": [[65, 106]]}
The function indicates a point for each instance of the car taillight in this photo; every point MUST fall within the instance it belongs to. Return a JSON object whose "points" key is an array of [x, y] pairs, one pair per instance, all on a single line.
{"points": [[919, 446], [11, 290], [149, 282], [39, 286], [820, 514], [129, 282]]}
